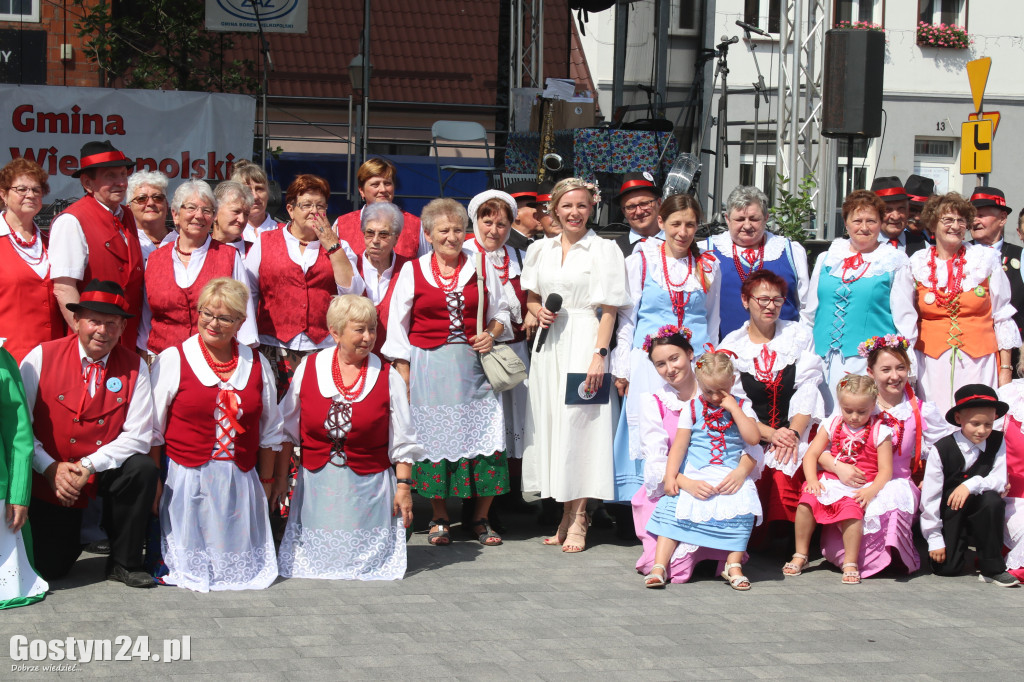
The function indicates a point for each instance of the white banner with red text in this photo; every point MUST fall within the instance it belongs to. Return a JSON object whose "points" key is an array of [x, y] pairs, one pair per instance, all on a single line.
{"points": [[181, 134]]}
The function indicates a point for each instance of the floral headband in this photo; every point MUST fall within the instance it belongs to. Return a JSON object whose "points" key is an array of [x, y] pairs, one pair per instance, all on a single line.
{"points": [[578, 183], [668, 331], [887, 341]]}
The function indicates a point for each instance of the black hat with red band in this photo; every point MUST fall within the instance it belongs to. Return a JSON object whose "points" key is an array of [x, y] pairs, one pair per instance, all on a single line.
{"points": [[889, 188], [989, 196], [523, 190], [919, 189], [101, 296], [975, 395], [631, 182], [101, 155]]}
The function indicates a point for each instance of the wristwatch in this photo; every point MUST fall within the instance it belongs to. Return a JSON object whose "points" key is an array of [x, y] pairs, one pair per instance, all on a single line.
{"points": [[87, 464], [601, 351]]}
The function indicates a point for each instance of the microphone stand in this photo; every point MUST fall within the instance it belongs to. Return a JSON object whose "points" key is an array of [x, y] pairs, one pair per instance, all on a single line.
{"points": [[721, 145], [759, 89]]}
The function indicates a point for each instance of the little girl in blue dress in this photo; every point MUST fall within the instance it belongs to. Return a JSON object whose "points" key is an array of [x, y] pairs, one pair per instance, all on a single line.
{"points": [[711, 502]]}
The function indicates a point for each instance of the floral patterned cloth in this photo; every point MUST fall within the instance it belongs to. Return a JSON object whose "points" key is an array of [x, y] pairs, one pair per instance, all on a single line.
{"points": [[589, 151], [481, 476]]}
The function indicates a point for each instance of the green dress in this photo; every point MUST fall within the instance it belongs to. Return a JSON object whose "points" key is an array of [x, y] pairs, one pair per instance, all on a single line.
{"points": [[19, 584]]}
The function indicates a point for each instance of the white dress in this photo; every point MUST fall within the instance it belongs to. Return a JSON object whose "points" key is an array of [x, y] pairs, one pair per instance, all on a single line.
{"points": [[341, 526], [214, 518], [569, 447], [939, 377]]}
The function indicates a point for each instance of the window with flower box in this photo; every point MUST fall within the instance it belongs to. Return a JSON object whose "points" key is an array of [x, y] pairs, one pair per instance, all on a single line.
{"points": [[942, 12]]}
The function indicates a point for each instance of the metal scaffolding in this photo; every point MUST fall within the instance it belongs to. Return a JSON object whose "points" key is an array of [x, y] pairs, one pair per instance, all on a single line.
{"points": [[527, 44], [801, 148]]}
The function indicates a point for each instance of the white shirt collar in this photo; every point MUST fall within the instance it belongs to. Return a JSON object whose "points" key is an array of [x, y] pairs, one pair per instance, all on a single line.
{"points": [[85, 356], [635, 236], [965, 445]]}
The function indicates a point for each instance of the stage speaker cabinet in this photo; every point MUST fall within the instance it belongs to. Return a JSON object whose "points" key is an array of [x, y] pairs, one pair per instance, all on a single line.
{"points": [[852, 91]]}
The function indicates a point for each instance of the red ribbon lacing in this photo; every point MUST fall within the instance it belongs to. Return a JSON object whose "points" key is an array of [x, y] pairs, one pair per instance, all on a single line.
{"points": [[228, 404], [847, 450], [772, 380], [714, 422]]}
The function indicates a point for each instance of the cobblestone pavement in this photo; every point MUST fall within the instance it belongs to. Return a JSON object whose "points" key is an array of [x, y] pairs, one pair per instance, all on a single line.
{"points": [[524, 611]]}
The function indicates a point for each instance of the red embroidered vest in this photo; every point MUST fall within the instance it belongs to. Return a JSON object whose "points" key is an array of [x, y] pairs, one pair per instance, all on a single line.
{"points": [[111, 257], [64, 436], [174, 309], [385, 301], [191, 436], [29, 313], [430, 323], [349, 227], [366, 445], [292, 302]]}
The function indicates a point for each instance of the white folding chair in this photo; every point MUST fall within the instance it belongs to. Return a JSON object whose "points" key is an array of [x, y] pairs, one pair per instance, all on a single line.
{"points": [[459, 131]]}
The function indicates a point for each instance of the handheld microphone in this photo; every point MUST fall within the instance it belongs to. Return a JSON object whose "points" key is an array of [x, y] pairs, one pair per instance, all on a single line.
{"points": [[554, 304], [750, 28]]}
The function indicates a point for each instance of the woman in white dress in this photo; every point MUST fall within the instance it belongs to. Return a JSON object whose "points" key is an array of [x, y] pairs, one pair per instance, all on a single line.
{"points": [[568, 452], [216, 414], [967, 330], [350, 510], [434, 344]]}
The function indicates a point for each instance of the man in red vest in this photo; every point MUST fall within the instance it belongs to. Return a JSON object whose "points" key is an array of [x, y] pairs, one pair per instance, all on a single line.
{"points": [[92, 413], [95, 237]]}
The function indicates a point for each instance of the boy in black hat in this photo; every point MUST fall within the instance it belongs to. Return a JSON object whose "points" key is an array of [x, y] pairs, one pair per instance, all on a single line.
{"points": [[639, 200], [919, 189], [962, 491], [897, 212]]}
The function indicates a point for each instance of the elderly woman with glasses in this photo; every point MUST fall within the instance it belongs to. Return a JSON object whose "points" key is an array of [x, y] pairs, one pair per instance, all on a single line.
{"points": [[349, 410], [234, 203], [147, 195], [778, 372], [963, 298], [435, 346], [216, 417], [29, 313], [747, 247], [378, 265], [177, 272]]}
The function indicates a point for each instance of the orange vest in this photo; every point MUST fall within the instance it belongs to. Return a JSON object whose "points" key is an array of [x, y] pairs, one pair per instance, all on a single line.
{"points": [[977, 334]]}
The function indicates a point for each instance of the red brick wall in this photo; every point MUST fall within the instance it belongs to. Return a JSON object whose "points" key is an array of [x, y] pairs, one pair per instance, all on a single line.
{"points": [[57, 18]]}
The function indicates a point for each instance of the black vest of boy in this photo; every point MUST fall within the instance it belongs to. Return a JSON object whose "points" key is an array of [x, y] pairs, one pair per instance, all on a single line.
{"points": [[953, 461]]}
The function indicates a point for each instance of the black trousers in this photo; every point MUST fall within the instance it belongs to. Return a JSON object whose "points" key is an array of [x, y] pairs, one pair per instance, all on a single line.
{"points": [[127, 494], [982, 518]]}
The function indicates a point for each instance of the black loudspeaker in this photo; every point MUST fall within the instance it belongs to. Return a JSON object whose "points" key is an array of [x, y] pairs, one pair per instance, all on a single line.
{"points": [[852, 91]]}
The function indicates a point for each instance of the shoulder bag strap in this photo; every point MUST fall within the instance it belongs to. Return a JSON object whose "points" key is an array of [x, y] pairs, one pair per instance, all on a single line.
{"points": [[478, 263]]}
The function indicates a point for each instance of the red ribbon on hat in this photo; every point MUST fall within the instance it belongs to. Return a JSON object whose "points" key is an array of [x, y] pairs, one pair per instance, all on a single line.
{"points": [[914, 197], [1000, 201], [102, 158], [104, 297], [986, 398], [635, 183], [516, 195], [890, 191]]}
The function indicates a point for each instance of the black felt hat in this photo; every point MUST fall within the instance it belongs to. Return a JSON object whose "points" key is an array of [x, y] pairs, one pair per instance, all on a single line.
{"points": [[975, 395], [523, 189], [918, 189], [989, 196], [101, 155], [631, 182], [889, 188], [102, 296]]}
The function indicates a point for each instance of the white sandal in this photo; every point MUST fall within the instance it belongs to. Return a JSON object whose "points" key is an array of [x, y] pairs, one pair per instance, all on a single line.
{"points": [[793, 568], [654, 581], [854, 574], [736, 581]]}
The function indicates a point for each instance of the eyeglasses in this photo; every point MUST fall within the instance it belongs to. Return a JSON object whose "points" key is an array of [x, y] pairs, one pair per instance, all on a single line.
{"points": [[639, 206], [192, 209], [766, 301], [950, 222], [309, 207], [22, 190], [143, 199], [209, 317], [372, 236]]}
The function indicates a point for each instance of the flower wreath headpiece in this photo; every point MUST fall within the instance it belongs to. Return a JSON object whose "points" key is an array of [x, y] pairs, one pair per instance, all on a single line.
{"points": [[665, 332], [887, 341]]}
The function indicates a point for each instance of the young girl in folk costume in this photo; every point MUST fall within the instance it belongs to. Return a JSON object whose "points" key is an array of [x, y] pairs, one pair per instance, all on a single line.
{"points": [[670, 282], [915, 425], [711, 503], [671, 355], [854, 436], [1013, 431]]}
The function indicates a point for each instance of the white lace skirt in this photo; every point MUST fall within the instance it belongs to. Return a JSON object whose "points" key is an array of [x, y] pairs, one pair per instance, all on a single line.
{"points": [[17, 579], [454, 410], [341, 527], [216, 528]]}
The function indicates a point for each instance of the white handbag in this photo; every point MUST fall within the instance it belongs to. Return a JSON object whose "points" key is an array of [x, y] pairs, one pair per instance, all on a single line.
{"points": [[504, 369]]}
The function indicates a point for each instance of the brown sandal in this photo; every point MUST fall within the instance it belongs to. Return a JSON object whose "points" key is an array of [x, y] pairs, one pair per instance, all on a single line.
{"points": [[576, 540]]}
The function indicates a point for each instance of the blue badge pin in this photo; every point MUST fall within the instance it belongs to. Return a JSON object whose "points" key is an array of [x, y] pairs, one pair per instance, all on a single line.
{"points": [[114, 384]]}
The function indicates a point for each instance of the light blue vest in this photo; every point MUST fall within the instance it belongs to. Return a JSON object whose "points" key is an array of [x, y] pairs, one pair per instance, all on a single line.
{"points": [[849, 314], [733, 314], [698, 454], [655, 311]]}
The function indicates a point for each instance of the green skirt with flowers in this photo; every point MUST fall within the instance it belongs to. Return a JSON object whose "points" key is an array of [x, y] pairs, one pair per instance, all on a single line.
{"points": [[480, 476]]}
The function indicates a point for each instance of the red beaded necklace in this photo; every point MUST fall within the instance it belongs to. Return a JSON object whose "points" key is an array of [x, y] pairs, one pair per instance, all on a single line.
{"points": [[955, 279], [445, 284], [853, 263], [180, 252], [348, 391], [680, 299], [503, 268], [758, 261], [220, 368], [897, 427], [23, 247]]}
